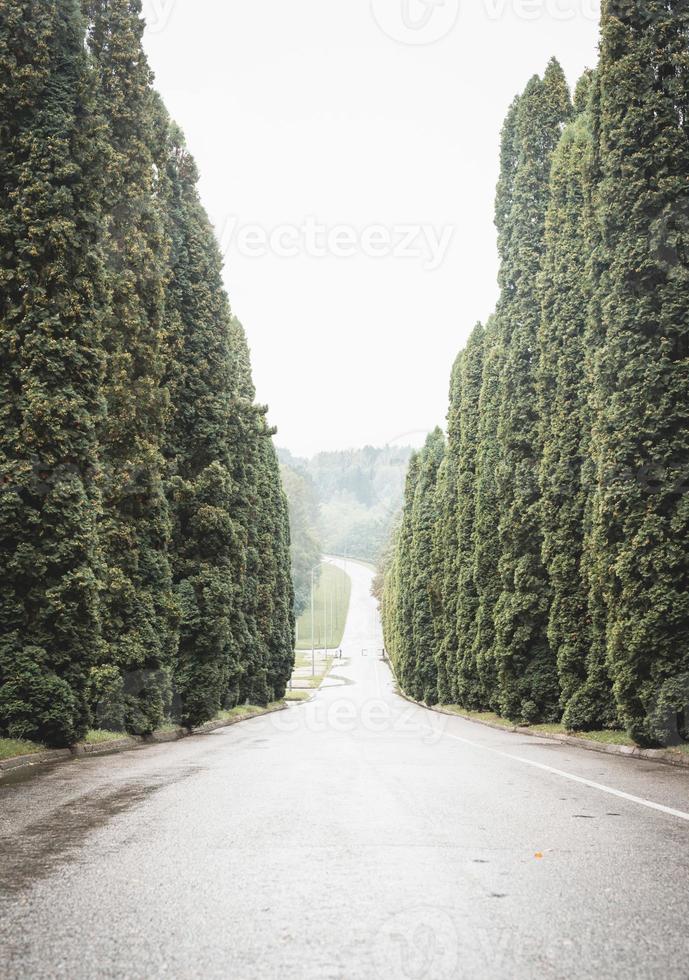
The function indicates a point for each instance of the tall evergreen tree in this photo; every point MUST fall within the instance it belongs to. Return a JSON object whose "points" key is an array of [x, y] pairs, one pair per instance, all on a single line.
{"points": [[423, 683], [207, 543], [527, 670], [642, 378], [247, 426], [52, 295], [400, 594], [139, 616], [264, 622], [593, 704], [565, 409], [275, 616], [487, 518], [445, 544], [469, 691]]}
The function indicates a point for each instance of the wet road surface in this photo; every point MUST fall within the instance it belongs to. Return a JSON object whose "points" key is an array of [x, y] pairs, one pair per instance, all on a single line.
{"points": [[356, 836]]}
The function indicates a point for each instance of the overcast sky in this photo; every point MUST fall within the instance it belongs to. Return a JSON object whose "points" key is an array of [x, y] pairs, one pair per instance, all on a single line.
{"points": [[349, 154]]}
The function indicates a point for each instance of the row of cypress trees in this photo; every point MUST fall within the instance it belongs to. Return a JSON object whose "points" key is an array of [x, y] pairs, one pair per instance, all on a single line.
{"points": [[144, 535], [541, 569]]}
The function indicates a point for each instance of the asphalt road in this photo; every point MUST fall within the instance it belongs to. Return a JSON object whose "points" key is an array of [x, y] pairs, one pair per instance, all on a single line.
{"points": [[353, 837]]}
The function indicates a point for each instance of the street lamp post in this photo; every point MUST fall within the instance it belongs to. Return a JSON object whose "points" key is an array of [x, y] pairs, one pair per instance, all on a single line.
{"points": [[313, 628], [325, 622]]}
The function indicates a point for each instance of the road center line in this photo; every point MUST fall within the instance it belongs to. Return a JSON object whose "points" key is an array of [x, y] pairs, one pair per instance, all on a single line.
{"points": [[680, 814]]}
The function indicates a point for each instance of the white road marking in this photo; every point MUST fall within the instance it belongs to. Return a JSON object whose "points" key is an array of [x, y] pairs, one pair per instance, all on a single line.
{"points": [[680, 814]]}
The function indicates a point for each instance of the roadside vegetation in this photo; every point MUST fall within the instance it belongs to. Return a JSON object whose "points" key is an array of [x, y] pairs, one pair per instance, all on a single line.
{"points": [[541, 568], [144, 532], [295, 695], [99, 737]]}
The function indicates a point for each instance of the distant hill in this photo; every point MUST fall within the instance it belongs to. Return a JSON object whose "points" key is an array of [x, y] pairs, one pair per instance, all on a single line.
{"points": [[359, 492]]}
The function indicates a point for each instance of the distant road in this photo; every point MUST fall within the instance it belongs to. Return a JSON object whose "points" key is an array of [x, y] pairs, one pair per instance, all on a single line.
{"points": [[356, 836]]}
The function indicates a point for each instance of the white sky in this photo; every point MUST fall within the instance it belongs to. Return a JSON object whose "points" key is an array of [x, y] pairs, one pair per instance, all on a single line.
{"points": [[307, 108]]}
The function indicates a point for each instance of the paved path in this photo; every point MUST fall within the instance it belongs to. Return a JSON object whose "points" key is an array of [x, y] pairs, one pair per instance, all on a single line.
{"points": [[352, 837]]}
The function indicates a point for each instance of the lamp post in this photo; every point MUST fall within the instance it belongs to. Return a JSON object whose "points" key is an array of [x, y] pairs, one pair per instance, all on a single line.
{"points": [[313, 628]]}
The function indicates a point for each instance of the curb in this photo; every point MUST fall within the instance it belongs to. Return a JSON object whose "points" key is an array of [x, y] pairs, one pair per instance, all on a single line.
{"points": [[124, 744], [105, 748], [664, 756], [214, 726], [35, 759]]}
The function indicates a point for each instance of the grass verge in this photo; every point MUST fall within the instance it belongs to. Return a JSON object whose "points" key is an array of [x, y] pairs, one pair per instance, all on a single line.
{"points": [[487, 716], [246, 711], [331, 605], [605, 737], [12, 747], [98, 737], [297, 696]]}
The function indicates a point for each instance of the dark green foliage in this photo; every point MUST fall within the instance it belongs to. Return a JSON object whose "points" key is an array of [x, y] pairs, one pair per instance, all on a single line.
{"points": [[275, 609], [564, 408], [397, 606], [139, 616], [412, 594], [526, 666], [487, 549], [445, 546], [567, 466], [52, 292], [642, 369], [263, 628], [469, 686], [568, 473], [486, 537], [207, 543], [144, 534], [426, 573]]}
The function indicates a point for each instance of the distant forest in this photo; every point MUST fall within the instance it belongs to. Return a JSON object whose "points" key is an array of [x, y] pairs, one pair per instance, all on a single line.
{"points": [[358, 494]]}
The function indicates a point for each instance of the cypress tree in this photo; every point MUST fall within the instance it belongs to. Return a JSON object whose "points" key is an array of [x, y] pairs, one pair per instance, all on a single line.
{"points": [[274, 616], [399, 637], [423, 684], [486, 537], [51, 300], [207, 543], [593, 704], [139, 615], [445, 546], [247, 425], [563, 405], [488, 502], [389, 600], [468, 685], [642, 376], [565, 408], [263, 624], [527, 669]]}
